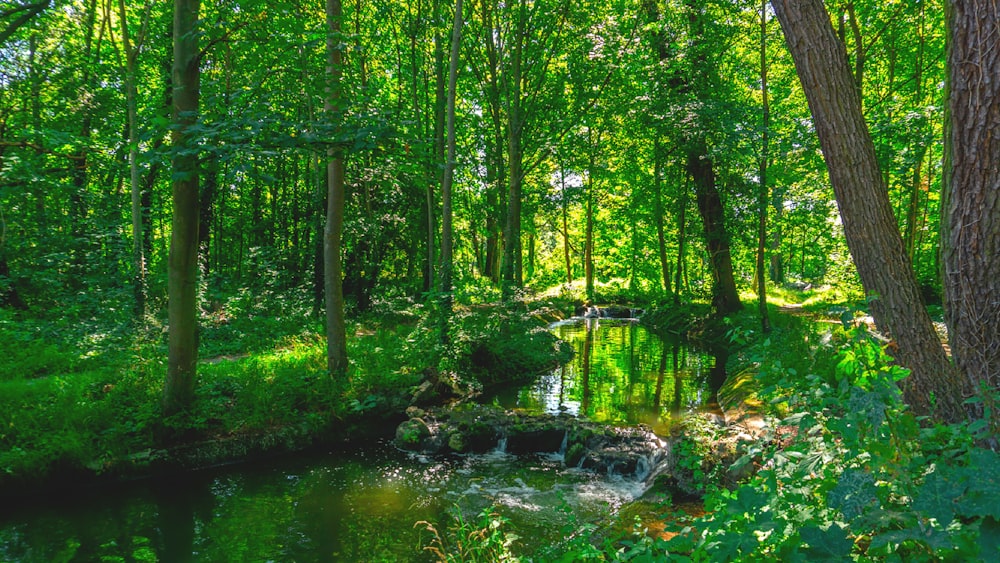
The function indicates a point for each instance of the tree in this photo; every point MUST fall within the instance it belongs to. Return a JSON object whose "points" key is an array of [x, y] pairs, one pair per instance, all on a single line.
{"points": [[130, 70], [182, 281], [333, 275], [447, 257], [869, 225], [971, 229], [762, 193]]}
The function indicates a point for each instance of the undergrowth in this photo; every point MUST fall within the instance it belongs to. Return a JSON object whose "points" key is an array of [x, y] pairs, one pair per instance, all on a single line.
{"points": [[845, 471]]}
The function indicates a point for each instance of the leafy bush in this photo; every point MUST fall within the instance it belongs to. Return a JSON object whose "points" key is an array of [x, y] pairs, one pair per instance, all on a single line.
{"points": [[853, 474]]}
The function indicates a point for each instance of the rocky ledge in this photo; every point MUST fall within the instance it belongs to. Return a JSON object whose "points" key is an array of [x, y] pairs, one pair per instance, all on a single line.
{"points": [[471, 428]]}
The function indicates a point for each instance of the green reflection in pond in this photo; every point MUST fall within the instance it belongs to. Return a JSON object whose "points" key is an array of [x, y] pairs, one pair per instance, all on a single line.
{"points": [[621, 373]]}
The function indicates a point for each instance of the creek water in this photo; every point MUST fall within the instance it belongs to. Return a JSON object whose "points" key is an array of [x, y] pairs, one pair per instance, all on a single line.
{"points": [[364, 505]]}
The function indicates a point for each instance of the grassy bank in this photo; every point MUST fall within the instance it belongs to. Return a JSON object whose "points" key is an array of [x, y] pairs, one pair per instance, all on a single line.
{"points": [[73, 404]]}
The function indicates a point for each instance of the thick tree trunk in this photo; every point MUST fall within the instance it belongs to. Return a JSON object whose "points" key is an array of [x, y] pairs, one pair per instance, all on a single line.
{"points": [[725, 298], [870, 227], [333, 275], [182, 282], [971, 234]]}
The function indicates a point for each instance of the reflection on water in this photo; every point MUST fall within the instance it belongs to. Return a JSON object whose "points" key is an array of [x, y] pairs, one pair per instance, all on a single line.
{"points": [[362, 505], [622, 374]]}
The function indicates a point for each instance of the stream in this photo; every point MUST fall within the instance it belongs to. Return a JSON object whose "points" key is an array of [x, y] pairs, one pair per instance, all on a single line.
{"points": [[364, 505]]}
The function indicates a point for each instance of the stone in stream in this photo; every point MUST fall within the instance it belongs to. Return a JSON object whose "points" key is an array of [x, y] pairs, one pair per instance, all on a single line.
{"points": [[629, 451]]}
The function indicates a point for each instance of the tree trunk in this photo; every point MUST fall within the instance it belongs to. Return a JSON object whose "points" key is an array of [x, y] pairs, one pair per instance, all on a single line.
{"points": [[131, 103], [512, 231], [869, 225], [449, 174], [565, 224], [588, 243], [681, 273], [661, 238], [333, 276], [725, 298], [762, 194], [182, 282], [971, 210]]}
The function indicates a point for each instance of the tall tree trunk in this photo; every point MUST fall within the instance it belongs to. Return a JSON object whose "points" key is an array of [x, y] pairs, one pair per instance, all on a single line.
{"points": [[869, 225], [916, 185], [661, 238], [439, 148], [762, 194], [701, 167], [588, 243], [447, 260], [182, 281], [971, 210], [512, 278], [131, 69], [681, 272], [333, 275], [565, 224]]}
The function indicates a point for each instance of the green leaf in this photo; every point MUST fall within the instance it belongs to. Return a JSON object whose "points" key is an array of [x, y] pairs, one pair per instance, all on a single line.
{"points": [[830, 544], [854, 494], [939, 494], [989, 540]]}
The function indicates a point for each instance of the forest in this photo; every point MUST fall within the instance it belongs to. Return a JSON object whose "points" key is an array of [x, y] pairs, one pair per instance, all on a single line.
{"points": [[236, 231]]}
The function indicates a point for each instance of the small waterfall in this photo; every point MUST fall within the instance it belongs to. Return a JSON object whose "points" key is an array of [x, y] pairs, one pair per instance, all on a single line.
{"points": [[564, 445], [502, 444]]}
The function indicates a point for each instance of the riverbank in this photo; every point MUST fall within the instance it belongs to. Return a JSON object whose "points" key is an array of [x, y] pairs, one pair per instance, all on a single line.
{"points": [[90, 415]]}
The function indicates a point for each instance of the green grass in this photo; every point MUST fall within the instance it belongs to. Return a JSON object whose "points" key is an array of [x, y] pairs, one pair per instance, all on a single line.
{"points": [[76, 410], [85, 399]]}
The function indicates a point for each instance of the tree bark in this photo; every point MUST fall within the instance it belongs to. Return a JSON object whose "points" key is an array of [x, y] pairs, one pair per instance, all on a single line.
{"points": [[661, 238], [131, 52], [869, 225], [588, 243], [565, 223], [971, 210], [512, 232], [333, 275], [449, 174], [182, 281], [725, 298], [762, 194]]}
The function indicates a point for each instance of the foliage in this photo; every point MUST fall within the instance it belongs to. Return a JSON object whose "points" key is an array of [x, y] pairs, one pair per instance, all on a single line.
{"points": [[850, 474], [97, 412], [483, 540]]}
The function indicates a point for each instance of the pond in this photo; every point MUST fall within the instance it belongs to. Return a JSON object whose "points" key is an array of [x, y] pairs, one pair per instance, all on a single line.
{"points": [[622, 374], [364, 505]]}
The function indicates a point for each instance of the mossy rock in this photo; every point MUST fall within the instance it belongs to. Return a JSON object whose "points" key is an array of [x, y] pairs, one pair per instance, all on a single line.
{"points": [[412, 433]]}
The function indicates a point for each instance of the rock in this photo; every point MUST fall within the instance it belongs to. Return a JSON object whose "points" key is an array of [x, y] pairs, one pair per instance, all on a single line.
{"points": [[412, 434]]}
